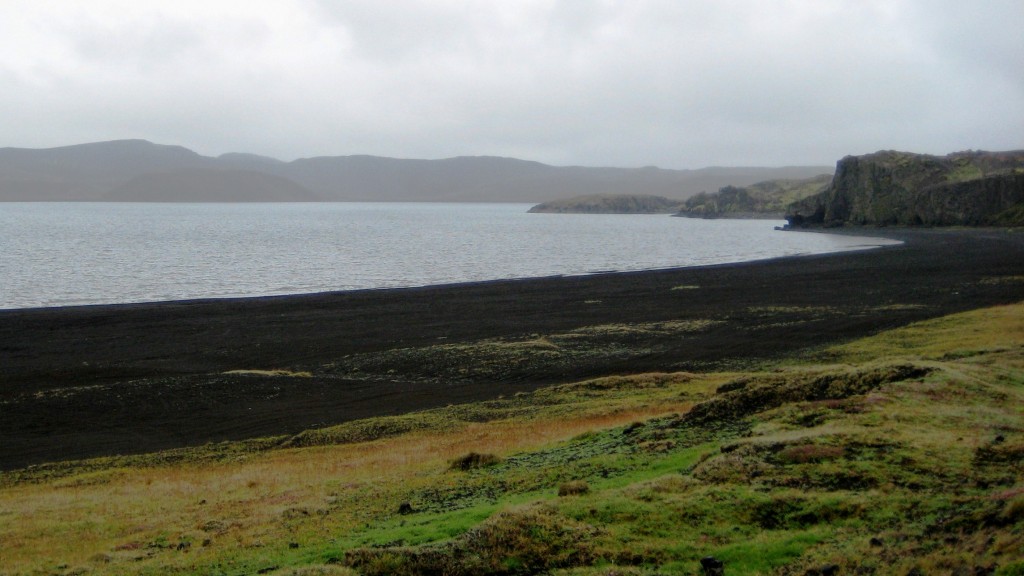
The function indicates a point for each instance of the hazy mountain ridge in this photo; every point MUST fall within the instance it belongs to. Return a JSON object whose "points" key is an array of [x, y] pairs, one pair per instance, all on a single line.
{"points": [[103, 170], [971, 188], [210, 185], [86, 171]]}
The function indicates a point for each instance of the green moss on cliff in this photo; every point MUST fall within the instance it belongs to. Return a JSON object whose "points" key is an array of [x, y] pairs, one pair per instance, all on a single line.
{"points": [[964, 170], [965, 188]]}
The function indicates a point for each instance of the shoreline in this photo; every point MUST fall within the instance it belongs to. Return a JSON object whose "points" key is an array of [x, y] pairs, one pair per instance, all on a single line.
{"points": [[84, 381], [23, 296]]}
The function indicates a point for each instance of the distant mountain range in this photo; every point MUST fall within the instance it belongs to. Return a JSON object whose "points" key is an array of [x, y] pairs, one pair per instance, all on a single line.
{"points": [[138, 170]]}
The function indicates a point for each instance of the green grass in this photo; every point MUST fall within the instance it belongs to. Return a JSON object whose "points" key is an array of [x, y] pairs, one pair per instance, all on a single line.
{"points": [[769, 197], [899, 452], [963, 172]]}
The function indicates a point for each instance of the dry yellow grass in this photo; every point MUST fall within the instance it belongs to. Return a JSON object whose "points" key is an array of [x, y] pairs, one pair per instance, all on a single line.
{"points": [[271, 373], [989, 329], [98, 518]]}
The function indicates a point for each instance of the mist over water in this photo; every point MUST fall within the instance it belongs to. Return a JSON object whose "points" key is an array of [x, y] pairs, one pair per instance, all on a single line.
{"points": [[58, 254]]}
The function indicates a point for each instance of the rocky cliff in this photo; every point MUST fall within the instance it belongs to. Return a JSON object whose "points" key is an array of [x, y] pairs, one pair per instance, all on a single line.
{"points": [[766, 199], [964, 188]]}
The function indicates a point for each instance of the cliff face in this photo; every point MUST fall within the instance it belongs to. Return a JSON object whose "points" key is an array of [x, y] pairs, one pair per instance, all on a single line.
{"points": [[964, 188]]}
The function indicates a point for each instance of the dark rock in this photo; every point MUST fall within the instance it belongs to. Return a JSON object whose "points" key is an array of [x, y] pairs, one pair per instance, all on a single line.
{"points": [[633, 428], [888, 187], [712, 566], [732, 386]]}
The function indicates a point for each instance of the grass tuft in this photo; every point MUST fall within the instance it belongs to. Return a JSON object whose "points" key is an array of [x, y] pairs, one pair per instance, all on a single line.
{"points": [[271, 373], [525, 541], [573, 488], [472, 461]]}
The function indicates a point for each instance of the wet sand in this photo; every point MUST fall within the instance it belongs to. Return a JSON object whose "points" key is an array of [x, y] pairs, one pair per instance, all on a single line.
{"points": [[89, 381]]}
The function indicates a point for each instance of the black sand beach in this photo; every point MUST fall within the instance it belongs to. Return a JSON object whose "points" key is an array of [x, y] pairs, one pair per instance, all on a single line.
{"points": [[100, 380]]}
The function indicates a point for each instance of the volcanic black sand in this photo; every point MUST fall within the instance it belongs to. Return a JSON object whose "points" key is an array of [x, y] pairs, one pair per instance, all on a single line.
{"points": [[99, 380]]}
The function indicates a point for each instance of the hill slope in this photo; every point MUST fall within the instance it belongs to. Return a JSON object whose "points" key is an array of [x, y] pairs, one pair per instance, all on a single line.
{"points": [[760, 200], [86, 171]]}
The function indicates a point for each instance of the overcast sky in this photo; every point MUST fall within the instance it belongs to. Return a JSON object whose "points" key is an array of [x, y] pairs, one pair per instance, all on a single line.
{"points": [[674, 83]]}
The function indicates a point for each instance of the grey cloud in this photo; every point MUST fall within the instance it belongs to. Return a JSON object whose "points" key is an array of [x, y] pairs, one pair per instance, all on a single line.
{"points": [[677, 84]]}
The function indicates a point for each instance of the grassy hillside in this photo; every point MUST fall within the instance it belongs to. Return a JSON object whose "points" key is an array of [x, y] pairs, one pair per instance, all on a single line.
{"points": [[767, 199], [609, 204], [898, 454]]}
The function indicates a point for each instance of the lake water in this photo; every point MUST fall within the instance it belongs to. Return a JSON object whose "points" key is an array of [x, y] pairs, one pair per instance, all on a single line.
{"points": [[57, 254]]}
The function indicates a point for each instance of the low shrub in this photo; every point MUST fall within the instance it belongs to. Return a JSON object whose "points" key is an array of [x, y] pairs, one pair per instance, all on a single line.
{"points": [[804, 453], [573, 488], [526, 541], [748, 396], [473, 460], [1000, 452]]}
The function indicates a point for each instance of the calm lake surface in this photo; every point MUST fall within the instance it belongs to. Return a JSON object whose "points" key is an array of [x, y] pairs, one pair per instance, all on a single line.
{"points": [[58, 254]]}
